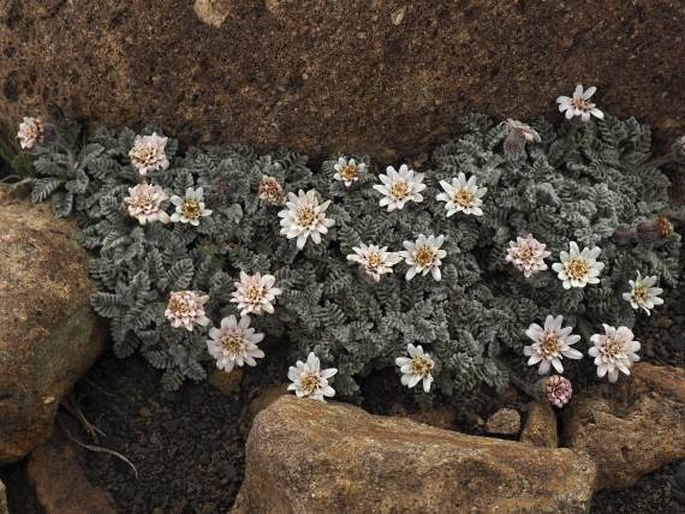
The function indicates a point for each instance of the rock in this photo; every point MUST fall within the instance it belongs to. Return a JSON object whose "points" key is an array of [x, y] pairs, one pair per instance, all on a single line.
{"points": [[541, 426], [227, 383], [320, 76], [3, 499], [504, 422], [60, 484], [632, 427], [48, 334], [307, 456]]}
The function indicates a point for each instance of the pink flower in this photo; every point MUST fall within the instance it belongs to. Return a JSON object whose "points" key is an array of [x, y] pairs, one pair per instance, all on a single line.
{"points": [[558, 390], [31, 133], [527, 255], [148, 153], [186, 309], [145, 203]]}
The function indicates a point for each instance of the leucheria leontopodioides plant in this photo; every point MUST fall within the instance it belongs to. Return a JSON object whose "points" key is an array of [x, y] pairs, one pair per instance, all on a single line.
{"points": [[516, 232]]}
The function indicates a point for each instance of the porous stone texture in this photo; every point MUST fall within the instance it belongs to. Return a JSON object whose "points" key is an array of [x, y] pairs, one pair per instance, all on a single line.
{"points": [[307, 456], [48, 334], [60, 484], [504, 422], [540, 428], [632, 427], [388, 77]]}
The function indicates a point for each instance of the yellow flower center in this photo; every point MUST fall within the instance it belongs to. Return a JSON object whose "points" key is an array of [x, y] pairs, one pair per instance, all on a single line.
{"points": [[399, 190], [421, 366], [580, 104], [146, 154], [613, 348], [349, 173], [306, 217], [577, 268], [233, 343], [640, 294], [549, 345], [254, 294], [190, 209], [425, 256], [374, 260], [526, 254], [310, 382], [178, 306], [463, 197]]}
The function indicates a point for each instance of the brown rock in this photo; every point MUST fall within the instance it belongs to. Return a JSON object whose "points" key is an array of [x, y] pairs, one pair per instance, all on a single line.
{"points": [[504, 422], [60, 484], [3, 499], [321, 76], [307, 456], [48, 335], [541, 426], [632, 427], [227, 383]]}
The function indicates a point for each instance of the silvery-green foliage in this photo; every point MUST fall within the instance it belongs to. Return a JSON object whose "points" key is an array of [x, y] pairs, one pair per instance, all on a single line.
{"points": [[583, 183]]}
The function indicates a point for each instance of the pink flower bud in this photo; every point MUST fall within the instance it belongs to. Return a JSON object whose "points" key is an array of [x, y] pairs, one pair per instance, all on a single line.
{"points": [[558, 390]]}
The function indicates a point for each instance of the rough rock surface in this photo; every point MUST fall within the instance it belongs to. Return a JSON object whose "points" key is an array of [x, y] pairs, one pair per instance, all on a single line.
{"points": [[632, 427], [541, 426], [306, 456], [504, 422], [60, 484], [382, 76], [3, 499], [48, 335]]}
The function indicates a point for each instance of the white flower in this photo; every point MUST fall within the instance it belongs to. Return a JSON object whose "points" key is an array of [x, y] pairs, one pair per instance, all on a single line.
{"points": [[271, 191], [580, 104], [462, 195], [527, 255], [186, 309], [416, 367], [148, 154], [577, 269], [145, 203], [255, 294], [191, 208], [234, 343], [614, 351], [375, 261], [643, 293], [519, 135], [399, 187], [304, 217], [309, 380], [551, 343], [348, 171], [31, 132], [424, 255]]}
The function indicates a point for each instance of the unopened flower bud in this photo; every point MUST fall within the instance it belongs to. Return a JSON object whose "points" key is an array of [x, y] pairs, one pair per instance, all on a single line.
{"points": [[558, 390]]}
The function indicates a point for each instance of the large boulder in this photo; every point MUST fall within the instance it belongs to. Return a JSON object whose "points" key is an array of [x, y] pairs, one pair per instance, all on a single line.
{"points": [[48, 335], [307, 456], [384, 76], [632, 427]]}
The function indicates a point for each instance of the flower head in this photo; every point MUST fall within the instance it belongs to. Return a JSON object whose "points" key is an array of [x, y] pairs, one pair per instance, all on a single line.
{"points": [[234, 343], [527, 255], [424, 255], [255, 294], [550, 344], [400, 187], [577, 269], [190, 208], [462, 195], [643, 294], [309, 380], [304, 217], [348, 171], [271, 191], [614, 351], [580, 104], [519, 134], [558, 390], [31, 133], [145, 203], [186, 309], [375, 261], [416, 368], [148, 154]]}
